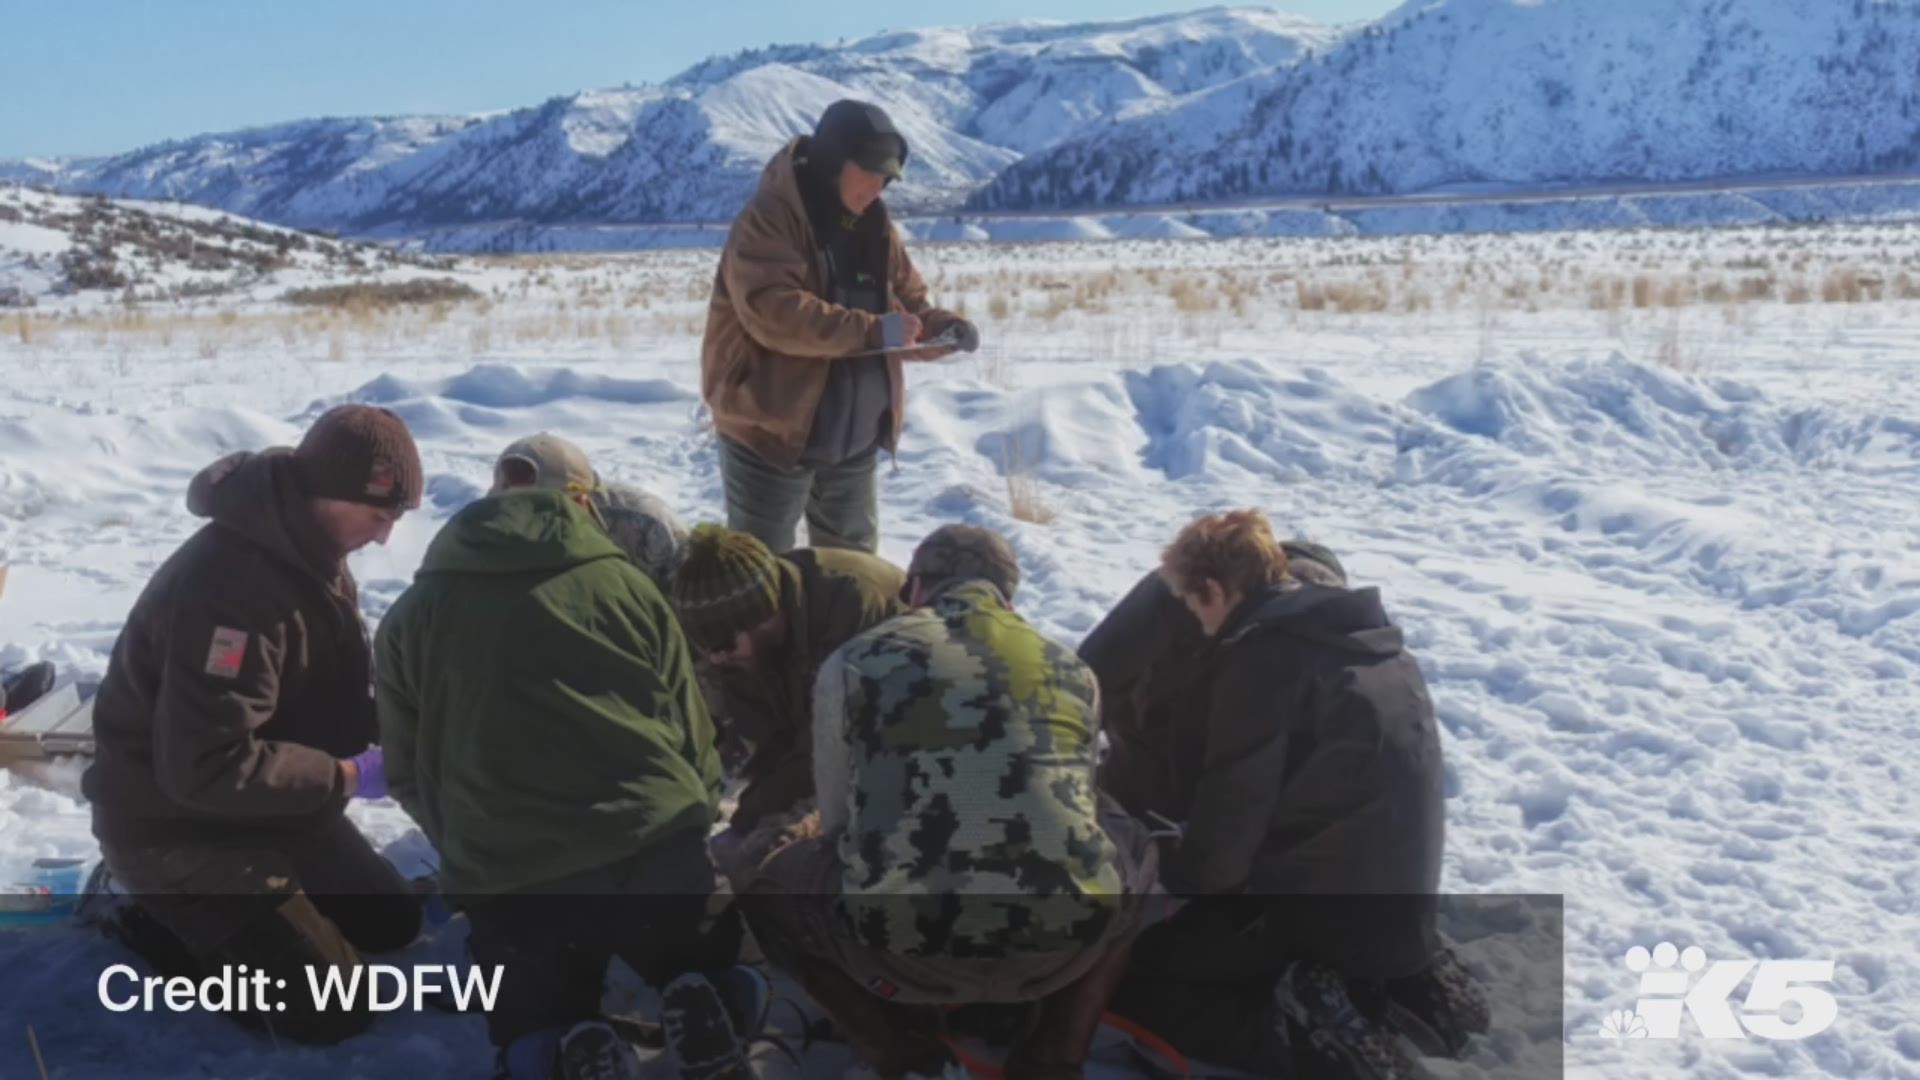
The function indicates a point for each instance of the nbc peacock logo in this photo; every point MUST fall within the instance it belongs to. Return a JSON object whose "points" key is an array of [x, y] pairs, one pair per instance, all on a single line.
{"points": [[1623, 1024]]}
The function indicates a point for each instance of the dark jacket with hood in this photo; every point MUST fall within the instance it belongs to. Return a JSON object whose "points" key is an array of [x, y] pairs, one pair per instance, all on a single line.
{"points": [[241, 676], [537, 701], [1300, 751], [782, 319], [1321, 771]]}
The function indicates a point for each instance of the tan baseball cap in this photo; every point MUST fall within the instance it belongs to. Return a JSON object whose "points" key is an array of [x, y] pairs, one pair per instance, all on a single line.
{"points": [[557, 464]]}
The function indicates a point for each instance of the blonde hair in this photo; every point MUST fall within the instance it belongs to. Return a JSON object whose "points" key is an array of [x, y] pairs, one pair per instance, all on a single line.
{"points": [[1235, 549]]}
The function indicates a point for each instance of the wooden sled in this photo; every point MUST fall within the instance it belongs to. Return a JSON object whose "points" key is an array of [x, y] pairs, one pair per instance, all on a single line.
{"points": [[56, 726]]}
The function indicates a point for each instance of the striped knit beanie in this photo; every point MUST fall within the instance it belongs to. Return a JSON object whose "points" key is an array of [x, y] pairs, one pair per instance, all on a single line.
{"points": [[729, 582]]}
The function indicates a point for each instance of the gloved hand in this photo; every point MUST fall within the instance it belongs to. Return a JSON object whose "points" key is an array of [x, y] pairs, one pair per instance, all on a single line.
{"points": [[898, 329], [967, 334], [370, 765]]}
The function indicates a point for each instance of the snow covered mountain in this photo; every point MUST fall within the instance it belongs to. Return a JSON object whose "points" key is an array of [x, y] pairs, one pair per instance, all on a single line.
{"points": [[1219, 105], [971, 101], [1520, 92]]}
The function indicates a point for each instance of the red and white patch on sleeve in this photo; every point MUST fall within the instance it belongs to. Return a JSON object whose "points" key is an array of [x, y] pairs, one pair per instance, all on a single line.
{"points": [[227, 653]]}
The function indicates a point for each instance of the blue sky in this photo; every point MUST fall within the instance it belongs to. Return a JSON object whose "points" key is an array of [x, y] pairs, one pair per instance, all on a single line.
{"points": [[109, 75]]}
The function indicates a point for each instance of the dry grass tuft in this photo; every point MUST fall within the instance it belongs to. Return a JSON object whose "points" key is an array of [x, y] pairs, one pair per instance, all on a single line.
{"points": [[366, 296], [1023, 492]]}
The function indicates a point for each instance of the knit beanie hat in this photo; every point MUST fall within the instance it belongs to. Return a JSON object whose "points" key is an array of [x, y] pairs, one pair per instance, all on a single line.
{"points": [[1314, 563], [729, 582], [963, 552], [362, 454], [859, 132]]}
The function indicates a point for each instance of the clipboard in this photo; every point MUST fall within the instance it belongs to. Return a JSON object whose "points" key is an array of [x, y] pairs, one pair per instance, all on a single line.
{"points": [[947, 340]]}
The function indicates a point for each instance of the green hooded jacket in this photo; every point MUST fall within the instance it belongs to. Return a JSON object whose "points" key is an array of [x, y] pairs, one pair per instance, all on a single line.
{"points": [[537, 701]]}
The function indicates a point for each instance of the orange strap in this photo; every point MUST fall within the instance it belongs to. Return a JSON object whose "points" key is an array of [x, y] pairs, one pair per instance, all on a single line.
{"points": [[986, 1070], [1150, 1042]]}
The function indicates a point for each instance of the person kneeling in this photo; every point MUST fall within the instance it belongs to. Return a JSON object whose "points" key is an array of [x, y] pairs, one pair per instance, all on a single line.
{"points": [[235, 720], [961, 854], [1284, 722], [543, 727]]}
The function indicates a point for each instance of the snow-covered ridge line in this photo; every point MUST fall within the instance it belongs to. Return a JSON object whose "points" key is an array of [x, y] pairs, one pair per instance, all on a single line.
{"points": [[971, 100], [1220, 106], [1520, 93]]}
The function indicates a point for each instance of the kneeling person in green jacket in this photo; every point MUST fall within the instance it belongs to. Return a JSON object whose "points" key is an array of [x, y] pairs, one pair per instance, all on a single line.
{"points": [[542, 725]]}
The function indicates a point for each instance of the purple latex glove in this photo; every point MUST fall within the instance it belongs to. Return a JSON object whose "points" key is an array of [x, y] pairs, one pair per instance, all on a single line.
{"points": [[371, 766]]}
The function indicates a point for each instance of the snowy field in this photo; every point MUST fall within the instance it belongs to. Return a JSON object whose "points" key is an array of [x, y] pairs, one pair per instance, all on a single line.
{"points": [[1645, 502]]}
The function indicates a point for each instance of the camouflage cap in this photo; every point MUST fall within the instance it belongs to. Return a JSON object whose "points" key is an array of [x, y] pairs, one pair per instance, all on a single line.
{"points": [[557, 464], [644, 527], [966, 551], [1314, 563]]}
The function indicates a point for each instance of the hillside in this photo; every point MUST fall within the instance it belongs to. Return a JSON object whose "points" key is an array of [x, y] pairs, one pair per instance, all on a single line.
{"points": [[1521, 93], [61, 245], [971, 101]]}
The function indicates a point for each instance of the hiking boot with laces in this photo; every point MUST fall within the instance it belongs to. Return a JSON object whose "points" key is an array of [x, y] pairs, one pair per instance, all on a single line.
{"points": [[1440, 1008], [701, 1041], [1332, 1039], [591, 1051]]}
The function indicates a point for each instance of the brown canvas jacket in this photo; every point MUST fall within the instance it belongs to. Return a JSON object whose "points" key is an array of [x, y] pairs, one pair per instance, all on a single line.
{"points": [[770, 331], [241, 675]]}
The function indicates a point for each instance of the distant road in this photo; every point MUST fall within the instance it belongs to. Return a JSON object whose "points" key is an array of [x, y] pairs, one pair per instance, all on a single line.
{"points": [[1335, 204], [621, 236]]}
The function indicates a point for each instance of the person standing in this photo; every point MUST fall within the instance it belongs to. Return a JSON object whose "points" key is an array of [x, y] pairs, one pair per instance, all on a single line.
{"points": [[813, 284]]}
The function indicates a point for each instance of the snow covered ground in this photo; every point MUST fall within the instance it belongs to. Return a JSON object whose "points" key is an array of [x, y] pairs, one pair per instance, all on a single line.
{"points": [[1644, 501]]}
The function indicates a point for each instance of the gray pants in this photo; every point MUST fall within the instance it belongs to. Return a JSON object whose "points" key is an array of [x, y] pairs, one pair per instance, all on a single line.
{"points": [[840, 502]]}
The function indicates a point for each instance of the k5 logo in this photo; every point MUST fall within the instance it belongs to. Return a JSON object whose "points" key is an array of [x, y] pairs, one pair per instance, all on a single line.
{"points": [[1668, 992]]}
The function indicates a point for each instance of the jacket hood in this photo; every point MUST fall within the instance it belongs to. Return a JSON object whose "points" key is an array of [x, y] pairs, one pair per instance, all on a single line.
{"points": [[258, 496], [788, 184], [847, 127], [1349, 619], [780, 180], [516, 533]]}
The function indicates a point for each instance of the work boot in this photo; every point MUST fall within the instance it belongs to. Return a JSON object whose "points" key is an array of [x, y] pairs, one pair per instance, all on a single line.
{"points": [[591, 1051], [701, 1041], [1332, 1038], [1439, 1009]]}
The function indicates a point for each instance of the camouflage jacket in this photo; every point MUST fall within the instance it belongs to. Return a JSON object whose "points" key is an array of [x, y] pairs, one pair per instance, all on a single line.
{"points": [[967, 742]]}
